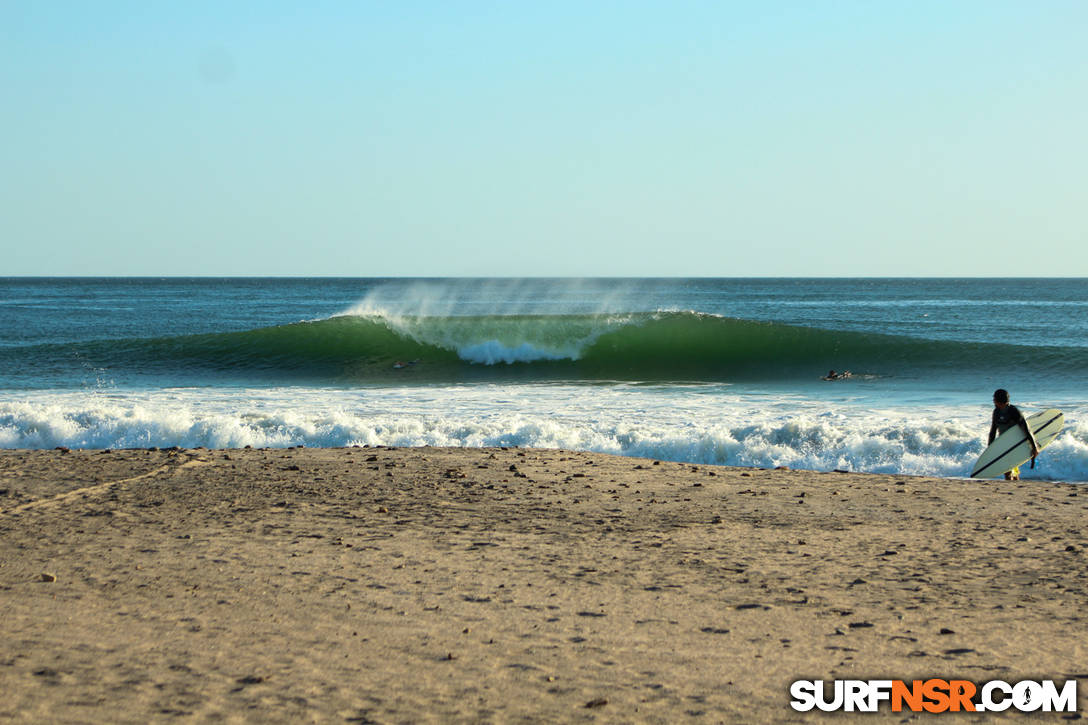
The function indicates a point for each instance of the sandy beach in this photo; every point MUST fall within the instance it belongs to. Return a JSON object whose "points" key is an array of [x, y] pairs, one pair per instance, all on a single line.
{"points": [[512, 585]]}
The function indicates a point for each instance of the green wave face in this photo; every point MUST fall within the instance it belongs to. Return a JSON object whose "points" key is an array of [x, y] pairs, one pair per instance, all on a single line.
{"points": [[636, 347]]}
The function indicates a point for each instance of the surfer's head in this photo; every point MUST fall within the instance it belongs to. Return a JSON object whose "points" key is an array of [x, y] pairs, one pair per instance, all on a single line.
{"points": [[1001, 396]]}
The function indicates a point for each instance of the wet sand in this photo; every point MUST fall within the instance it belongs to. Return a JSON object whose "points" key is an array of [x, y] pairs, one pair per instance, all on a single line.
{"points": [[487, 585]]}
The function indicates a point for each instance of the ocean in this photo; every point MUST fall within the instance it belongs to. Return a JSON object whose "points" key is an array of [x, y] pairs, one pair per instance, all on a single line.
{"points": [[714, 371]]}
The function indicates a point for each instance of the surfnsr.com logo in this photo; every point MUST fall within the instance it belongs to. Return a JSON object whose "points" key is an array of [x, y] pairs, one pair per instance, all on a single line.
{"points": [[934, 695]]}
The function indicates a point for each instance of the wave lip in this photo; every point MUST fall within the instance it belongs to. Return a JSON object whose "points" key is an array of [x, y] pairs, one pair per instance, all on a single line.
{"points": [[492, 339]]}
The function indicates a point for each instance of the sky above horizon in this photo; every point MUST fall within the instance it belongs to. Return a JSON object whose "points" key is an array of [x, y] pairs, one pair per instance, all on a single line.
{"points": [[544, 139]]}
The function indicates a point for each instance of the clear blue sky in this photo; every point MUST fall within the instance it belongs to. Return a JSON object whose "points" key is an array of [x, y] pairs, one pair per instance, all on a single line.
{"points": [[544, 138]]}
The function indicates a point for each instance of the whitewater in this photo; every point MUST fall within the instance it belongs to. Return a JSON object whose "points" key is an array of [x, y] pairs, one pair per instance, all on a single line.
{"points": [[701, 371], [699, 424]]}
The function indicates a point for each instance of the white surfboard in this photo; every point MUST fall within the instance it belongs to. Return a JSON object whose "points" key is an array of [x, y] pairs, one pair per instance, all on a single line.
{"points": [[1012, 448]]}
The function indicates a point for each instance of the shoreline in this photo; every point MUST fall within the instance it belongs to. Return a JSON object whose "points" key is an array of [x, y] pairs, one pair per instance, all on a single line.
{"points": [[481, 584]]}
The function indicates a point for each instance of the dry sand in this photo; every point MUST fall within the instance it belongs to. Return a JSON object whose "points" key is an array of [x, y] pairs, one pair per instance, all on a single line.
{"points": [[438, 585]]}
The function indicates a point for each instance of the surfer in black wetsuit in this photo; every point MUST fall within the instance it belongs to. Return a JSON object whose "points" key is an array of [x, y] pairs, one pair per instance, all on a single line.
{"points": [[1006, 415]]}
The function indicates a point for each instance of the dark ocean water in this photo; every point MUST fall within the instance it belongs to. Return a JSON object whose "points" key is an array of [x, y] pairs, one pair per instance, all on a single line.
{"points": [[213, 331]]}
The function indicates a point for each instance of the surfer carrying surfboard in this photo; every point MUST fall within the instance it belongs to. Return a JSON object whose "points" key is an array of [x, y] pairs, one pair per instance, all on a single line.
{"points": [[1006, 415]]}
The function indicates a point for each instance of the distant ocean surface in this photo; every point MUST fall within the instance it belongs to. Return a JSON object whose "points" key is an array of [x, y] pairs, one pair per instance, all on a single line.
{"points": [[723, 371]]}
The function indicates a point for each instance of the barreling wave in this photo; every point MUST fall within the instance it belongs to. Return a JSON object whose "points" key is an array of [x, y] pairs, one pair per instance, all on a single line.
{"points": [[658, 346]]}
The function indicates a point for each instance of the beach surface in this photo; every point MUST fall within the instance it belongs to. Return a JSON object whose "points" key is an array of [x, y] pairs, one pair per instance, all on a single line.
{"points": [[513, 585]]}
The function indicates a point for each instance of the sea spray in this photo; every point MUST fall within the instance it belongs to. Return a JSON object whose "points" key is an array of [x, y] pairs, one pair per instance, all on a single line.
{"points": [[502, 321], [438, 298]]}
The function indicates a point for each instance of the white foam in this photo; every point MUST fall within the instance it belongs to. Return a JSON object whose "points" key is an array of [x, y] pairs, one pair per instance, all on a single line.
{"points": [[491, 352], [697, 424]]}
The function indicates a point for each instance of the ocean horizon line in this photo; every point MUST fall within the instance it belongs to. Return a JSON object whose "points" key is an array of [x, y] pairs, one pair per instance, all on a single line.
{"points": [[536, 277]]}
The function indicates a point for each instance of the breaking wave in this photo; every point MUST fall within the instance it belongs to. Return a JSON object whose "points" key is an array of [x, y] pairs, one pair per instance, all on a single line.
{"points": [[644, 346]]}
